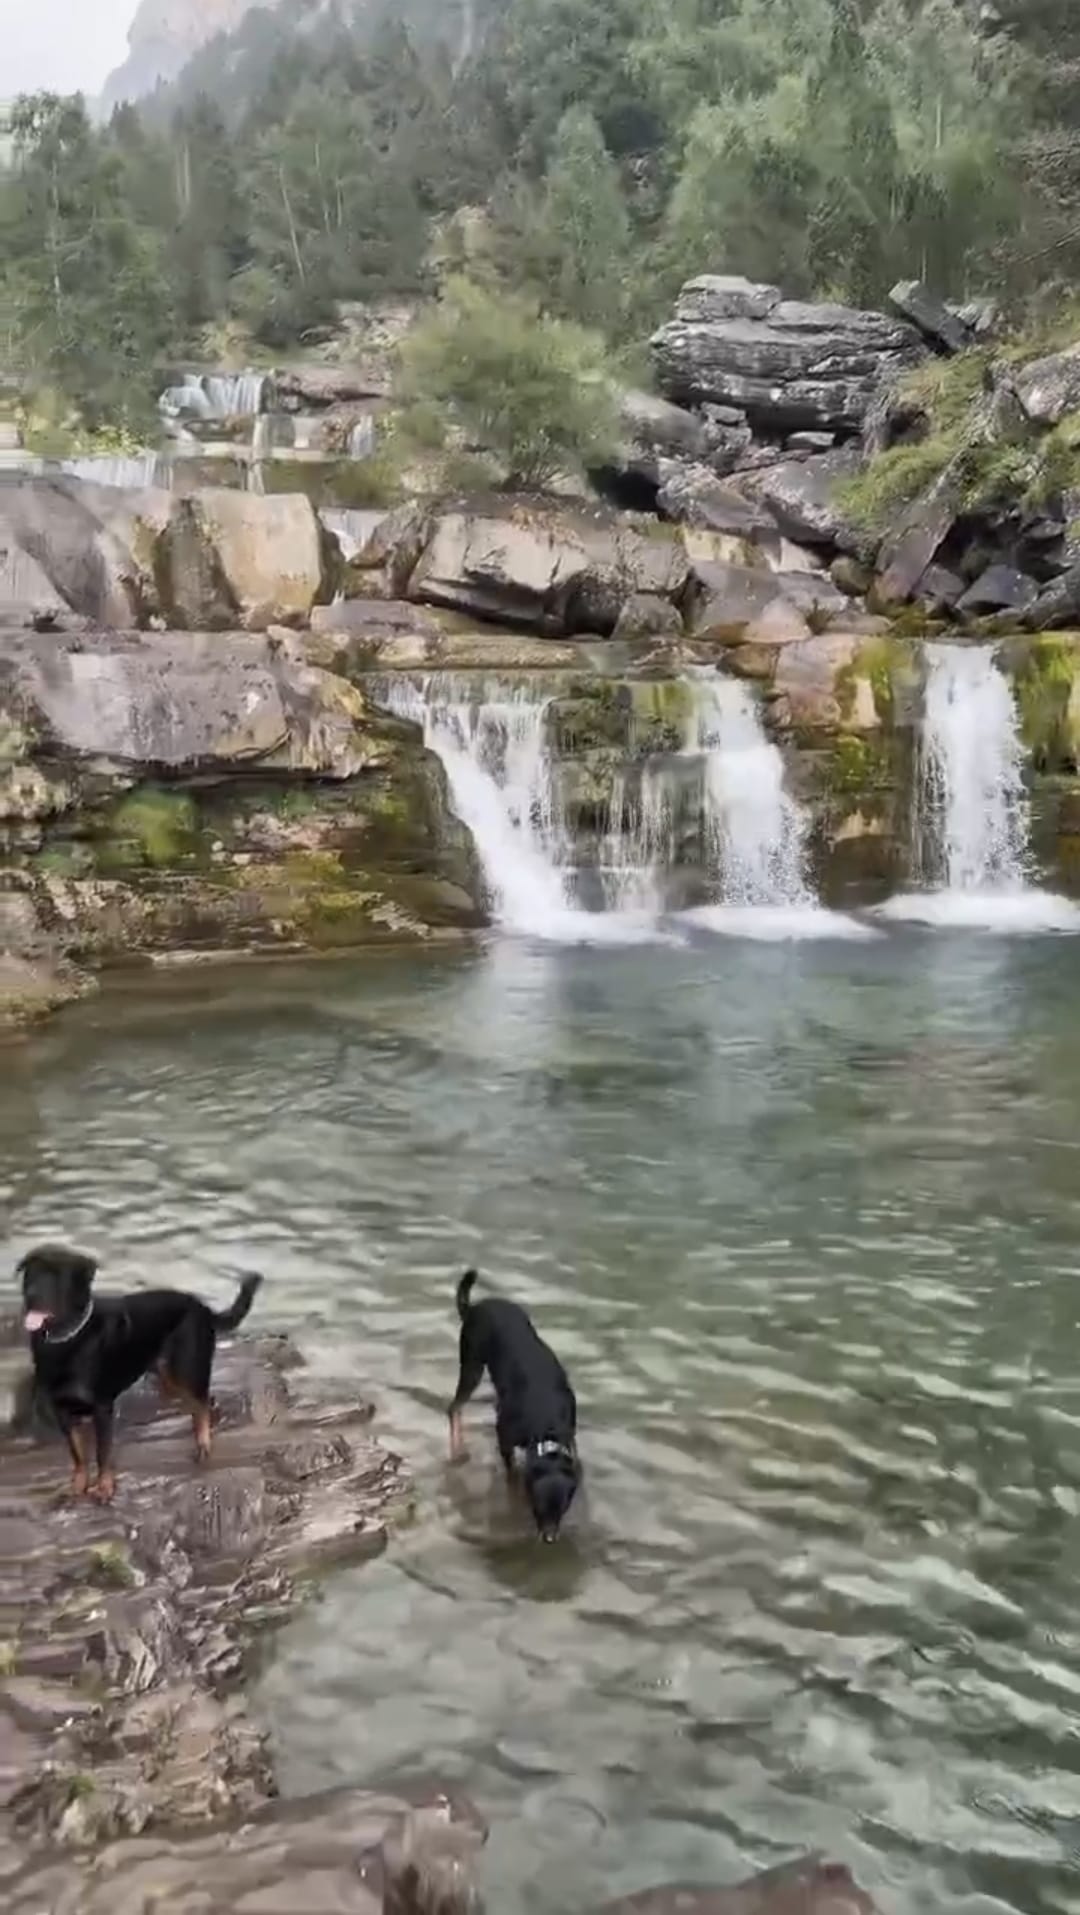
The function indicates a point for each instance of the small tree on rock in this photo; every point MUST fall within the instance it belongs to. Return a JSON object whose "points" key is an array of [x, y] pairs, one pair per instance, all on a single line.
{"points": [[536, 391]]}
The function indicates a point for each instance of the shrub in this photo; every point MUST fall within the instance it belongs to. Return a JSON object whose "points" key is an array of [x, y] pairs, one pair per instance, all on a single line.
{"points": [[535, 390]]}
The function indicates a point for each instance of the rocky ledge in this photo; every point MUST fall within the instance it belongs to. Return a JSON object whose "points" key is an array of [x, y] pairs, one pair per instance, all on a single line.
{"points": [[125, 1631], [186, 794], [132, 1775]]}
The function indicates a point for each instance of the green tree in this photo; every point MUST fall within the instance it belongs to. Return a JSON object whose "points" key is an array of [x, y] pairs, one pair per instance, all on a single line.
{"points": [[533, 389], [86, 285]]}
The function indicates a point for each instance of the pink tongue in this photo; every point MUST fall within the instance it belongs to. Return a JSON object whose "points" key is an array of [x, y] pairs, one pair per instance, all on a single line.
{"points": [[35, 1320]]}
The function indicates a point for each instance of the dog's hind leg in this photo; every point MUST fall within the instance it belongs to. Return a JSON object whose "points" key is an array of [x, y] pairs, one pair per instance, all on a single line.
{"points": [[470, 1373], [184, 1374], [105, 1488]]}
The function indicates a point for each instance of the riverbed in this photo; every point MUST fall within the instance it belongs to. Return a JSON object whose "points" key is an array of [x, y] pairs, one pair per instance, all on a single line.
{"points": [[802, 1220]]}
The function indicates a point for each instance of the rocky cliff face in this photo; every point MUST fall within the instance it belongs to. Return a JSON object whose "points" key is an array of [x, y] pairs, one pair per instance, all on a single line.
{"points": [[163, 36]]}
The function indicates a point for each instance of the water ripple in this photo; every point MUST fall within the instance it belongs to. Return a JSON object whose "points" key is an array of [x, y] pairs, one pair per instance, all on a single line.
{"points": [[802, 1222]]}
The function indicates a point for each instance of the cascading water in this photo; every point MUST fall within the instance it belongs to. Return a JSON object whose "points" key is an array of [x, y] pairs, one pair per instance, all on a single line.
{"points": [[972, 817], [216, 395], [136, 471], [755, 831], [491, 740]]}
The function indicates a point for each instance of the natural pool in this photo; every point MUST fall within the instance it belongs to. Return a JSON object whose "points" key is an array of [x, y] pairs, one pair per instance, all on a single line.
{"points": [[802, 1220]]}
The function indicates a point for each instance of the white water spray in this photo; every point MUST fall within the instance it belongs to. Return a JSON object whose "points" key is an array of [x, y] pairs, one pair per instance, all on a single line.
{"points": [[973, 820], [491, 740]]}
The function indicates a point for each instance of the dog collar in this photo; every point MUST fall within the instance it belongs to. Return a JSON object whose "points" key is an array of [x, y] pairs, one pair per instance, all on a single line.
{"points": [[69, 1336], [549, 1448]]}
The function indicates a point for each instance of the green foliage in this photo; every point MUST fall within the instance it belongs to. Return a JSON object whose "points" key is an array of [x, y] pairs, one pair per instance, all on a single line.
{"points": [[534, 389], [152, 827], [610, 150], [895, 478]]}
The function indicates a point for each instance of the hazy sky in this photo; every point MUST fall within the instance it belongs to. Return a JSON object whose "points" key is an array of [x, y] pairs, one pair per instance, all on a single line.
{"points": [[62, 45]]}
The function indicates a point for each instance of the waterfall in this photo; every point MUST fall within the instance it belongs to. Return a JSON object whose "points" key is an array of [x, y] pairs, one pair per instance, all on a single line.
{"points": [[361, 440], [491, 738], [136, 471], [722, 789], [216, 395], [972, 817], [755, 831], [639, 842]]}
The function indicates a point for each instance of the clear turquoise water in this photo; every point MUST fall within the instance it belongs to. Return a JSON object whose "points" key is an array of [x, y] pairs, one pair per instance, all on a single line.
{"points": [[803, 1222]]}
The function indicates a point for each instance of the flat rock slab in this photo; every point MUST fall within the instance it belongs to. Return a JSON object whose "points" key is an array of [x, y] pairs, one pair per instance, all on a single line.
{"points": [[123, 1630]]}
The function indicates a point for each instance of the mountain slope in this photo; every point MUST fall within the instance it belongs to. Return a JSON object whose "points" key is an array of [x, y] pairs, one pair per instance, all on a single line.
{"points": [[162, 38]]}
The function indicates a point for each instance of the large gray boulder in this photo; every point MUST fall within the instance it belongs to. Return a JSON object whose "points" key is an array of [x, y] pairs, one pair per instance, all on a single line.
{"points": [[210, 560], [552, 568], [803, 496], [183, 701], [786, 363], [93, 544], [1049, 388], [693, 495]]}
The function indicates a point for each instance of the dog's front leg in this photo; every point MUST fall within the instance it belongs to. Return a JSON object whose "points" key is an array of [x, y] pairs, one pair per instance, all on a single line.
{"points": [[75, 1434], [105, 1488]]}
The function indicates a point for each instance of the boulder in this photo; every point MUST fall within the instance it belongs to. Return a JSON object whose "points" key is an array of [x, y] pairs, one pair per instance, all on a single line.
{"points": [[652, 429], [241, 559], [807, 1887], [801, 496], [315, 387], [95, 545], [183, 700], [643, 615], [939, 589], [809, 679], [733, 604], [810, 441], [787, 364], [935, 320], [1049, 388], [1000, 588], [553, 568], [851, 576], [1058, 606], [693, 495], [912, 547]]}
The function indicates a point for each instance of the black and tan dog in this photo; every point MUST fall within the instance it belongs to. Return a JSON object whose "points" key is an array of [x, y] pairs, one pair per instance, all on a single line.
{"points": [[536, 1410], [88, 1350]]}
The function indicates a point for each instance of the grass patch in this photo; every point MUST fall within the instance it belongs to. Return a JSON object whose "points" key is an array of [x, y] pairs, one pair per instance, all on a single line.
{"points": [[152, 827], [895, 479]]}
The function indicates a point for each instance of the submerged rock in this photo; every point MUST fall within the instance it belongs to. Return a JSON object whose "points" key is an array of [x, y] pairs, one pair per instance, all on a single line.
{"points": [[127, 1625], [809, 1887]]}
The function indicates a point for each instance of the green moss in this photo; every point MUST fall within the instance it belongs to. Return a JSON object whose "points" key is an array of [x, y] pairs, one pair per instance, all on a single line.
{"points": [[895, 479], [62, 860], [946, 389], [152, 827], [857, 765], [1044, 685], [110, 1568]]}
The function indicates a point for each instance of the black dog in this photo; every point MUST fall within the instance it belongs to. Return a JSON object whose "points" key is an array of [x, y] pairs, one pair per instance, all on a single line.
{"points": [[536, 1410], [88, 1350]]}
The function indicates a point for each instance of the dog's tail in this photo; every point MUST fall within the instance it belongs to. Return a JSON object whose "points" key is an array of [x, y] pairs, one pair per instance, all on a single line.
{"points": [[464, 1291], [232, 1318]]}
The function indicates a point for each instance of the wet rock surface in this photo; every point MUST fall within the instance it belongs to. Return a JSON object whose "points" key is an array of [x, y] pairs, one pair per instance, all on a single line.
{"points": [[124, 1630]]}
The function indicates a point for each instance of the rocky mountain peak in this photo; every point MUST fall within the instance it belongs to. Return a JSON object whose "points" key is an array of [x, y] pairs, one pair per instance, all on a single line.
{"points": [[163, 36]]}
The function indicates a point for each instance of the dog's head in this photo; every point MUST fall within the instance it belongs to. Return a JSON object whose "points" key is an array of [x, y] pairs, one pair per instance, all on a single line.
{"points": [[56, 1286], [551, 1480]]}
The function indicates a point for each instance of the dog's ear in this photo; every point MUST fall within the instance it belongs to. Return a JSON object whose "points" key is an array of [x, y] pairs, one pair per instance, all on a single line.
{"points": [[83, 1268]]}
